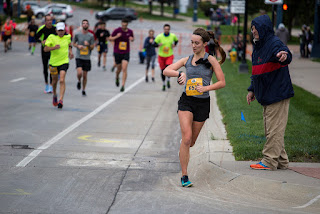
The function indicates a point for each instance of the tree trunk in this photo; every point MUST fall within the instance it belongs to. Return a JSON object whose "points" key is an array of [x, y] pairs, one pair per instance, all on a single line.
{"points": [[162, 8], [150, 7]]}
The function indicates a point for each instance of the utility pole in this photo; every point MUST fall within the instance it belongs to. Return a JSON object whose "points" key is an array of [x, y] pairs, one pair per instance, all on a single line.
{"points": [[195, 11], [243, 68]]}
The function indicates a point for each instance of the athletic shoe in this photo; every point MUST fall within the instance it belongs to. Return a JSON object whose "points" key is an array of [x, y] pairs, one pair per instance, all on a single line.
{"points": [[112, 69], [163, 88], [98, 63], [117, 82], [185, 181], [104, 68], [122, 89], [147, 79], [50, 89], [260, 166], [152, 79], [84, 93], [79, 85], [168, 84], [54, 101], [46, 89], [60, 104]]}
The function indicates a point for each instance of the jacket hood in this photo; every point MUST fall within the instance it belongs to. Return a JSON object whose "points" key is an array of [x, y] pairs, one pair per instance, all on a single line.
{"points": [[264, 27]]}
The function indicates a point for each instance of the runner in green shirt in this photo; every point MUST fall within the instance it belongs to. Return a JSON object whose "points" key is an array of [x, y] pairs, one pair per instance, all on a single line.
{"points": [[61, 50], [166, 41]]}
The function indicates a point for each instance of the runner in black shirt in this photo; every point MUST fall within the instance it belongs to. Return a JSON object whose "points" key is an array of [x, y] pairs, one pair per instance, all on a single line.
{"points": [[42, 34], [102, 35], [33, 28]]}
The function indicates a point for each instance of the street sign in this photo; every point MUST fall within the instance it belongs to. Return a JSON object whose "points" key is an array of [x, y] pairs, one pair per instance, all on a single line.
{"points": [[238, 6], [273, 1]]}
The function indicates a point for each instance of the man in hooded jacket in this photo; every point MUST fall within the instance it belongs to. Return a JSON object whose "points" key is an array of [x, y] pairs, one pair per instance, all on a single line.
{"points": [[271, 86]]}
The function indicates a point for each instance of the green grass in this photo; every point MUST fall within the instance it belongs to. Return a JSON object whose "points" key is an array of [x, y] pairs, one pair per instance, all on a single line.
{"points": [[316, 59], [302, 137]]}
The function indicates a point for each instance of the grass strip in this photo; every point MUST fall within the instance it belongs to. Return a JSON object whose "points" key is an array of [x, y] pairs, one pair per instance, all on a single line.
{"points": [[302, 138]]}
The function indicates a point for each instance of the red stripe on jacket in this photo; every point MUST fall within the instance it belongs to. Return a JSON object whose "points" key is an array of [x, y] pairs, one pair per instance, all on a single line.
{"points": [[266, 68]]}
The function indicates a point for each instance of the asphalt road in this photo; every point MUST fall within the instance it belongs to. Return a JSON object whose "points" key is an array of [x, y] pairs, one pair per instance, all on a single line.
{"points": [[109, 152]]}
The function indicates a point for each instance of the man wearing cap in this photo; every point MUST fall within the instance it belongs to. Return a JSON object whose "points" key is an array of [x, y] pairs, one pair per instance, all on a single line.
{"points": [[61, 50]]}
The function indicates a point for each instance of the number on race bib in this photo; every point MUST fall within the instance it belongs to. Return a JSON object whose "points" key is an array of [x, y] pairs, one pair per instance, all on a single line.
{"points": [[53, 70], [191, 86], [84, 51], [123, 46], [166, 50]]}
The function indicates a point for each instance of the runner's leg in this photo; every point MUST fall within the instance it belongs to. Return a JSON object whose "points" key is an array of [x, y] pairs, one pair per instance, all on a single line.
{"points": [[84, 80], [185, 118], [196, 128], [124, 65], [62, 84]]}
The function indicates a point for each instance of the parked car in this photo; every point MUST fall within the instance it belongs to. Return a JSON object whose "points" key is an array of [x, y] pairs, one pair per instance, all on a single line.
{"points": [[41, 12], [117, 13], [34, 5], [58, 13]]}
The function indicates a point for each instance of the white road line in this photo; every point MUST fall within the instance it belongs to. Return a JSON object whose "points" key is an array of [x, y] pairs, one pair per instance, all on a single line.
{"points": [[309, 203], [18, 79], [53, 140]]}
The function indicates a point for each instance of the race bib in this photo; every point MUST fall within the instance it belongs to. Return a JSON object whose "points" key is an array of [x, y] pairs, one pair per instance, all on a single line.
{"points": [[7, 33], [191, 86], [166, 50], [53, 70], [123, 46], [32, 34], [84, 51], [98, 48]]}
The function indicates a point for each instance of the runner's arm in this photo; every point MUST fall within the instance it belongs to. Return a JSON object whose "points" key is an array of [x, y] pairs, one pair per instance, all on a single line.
{"points": [[221, 83], [172, 70]]}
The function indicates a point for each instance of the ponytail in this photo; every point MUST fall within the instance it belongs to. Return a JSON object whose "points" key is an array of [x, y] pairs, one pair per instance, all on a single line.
{"points": [[222, 53], [206, 36]]}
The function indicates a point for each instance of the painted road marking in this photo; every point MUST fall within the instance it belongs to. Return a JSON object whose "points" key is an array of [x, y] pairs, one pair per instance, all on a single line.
{"points": [[53, 140], [95, 140], [309, 203], [19, 192], [18, 79]]}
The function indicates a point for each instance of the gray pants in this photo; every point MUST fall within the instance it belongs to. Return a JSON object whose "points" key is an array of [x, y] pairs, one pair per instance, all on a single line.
{"points": [[275, 118]]}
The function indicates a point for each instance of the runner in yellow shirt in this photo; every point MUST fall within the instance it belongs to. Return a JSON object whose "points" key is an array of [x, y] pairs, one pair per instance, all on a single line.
{"points": [[61, 50]]}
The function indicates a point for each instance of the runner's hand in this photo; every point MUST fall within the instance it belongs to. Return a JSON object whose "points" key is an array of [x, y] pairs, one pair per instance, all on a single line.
{"points": [[250, 97], [201, 88], [80, 47], [56, 47], [86, 43], [182, 79], [71, 55], [119, 35], [43, 42], [282, 55]]}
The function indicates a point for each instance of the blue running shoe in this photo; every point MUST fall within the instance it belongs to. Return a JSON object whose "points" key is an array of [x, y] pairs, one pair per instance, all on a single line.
{"points": [[185, 181], [46, 90], [50, 90]]}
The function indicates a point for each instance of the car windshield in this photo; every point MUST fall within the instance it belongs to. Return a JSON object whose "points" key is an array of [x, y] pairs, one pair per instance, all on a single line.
{"points": [[109, 10]]}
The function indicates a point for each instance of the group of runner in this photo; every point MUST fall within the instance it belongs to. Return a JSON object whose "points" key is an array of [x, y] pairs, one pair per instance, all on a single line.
{"points": [[194, 103]]}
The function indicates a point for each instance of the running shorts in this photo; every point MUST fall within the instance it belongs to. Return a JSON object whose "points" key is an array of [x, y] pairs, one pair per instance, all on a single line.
{"points": [[84, 64], [5, 38], [103, 48], [32, 39], [119, 57], [165, 61], [55, 70], [199, 107]]}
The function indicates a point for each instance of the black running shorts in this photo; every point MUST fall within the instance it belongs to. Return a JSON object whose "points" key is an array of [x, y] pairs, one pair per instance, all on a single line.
{"points": [[119, 57], [199, 107], [84, 64], [55, 70]]}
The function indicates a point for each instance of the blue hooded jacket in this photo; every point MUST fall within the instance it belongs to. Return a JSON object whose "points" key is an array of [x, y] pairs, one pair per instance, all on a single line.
{"points": [[270, 80]]}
